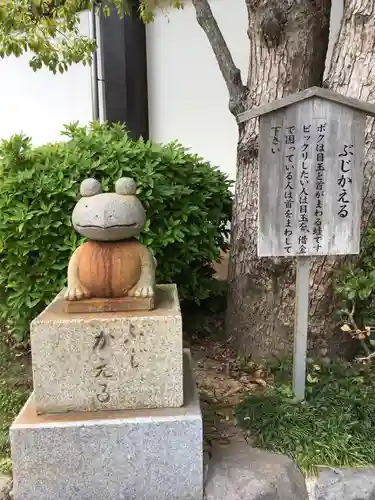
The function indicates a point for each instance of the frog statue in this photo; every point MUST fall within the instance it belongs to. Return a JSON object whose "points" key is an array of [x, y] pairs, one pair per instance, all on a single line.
{"points": [[113, 263]]}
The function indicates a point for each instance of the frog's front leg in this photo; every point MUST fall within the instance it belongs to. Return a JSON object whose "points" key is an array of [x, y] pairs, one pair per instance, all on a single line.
{"points": [[146, 283], [75, 290]]}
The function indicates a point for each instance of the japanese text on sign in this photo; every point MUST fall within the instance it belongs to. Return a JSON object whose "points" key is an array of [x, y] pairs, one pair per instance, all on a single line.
{"points": [[310, 178]]}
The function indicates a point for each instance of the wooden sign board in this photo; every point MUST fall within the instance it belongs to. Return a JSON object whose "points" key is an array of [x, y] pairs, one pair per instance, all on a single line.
{"points": [[310, 179], [311, 148]]}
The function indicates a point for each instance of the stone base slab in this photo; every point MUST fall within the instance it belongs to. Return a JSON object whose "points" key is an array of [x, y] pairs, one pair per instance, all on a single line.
{"points": [[124, 455], [340, 483], [109, 305], [239, 472], [108, 361]]}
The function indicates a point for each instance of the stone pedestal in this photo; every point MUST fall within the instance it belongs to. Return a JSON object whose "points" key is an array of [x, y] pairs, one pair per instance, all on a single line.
{"points": [[115, 412], [108, 361], [119, 455]]}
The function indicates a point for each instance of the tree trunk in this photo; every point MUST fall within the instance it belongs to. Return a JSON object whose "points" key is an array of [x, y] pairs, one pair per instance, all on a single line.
{"points": [[352, 73], [288, 45]]}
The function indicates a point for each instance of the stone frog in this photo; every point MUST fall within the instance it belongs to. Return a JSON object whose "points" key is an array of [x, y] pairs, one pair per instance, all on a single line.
{"points": [[113, 263]]}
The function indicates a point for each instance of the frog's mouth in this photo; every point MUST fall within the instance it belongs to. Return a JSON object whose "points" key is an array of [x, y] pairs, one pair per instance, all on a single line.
{"points": [[115, 226]]}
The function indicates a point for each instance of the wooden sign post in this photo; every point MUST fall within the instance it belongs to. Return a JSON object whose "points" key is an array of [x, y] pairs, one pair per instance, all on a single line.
{"points": [[300, 326], [311, 147]]}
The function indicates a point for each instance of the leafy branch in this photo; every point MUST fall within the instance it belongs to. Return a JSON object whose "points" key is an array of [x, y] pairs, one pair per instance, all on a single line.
{"points": [[356, 290], [49, 29]]}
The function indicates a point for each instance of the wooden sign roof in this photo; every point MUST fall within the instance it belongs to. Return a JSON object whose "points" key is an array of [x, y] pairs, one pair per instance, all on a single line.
{"points": [[351, 102]]}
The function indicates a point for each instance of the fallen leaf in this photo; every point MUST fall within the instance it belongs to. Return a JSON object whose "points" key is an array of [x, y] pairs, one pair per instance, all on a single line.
{"points": [[261, 382], [346, 328], [232, 391]]}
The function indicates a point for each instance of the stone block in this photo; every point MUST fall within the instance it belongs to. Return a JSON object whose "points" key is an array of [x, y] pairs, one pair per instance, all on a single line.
{"points": [[100, 306], [5, 487], [108, 361], [345, 484], [121, 455], [240, 472]]}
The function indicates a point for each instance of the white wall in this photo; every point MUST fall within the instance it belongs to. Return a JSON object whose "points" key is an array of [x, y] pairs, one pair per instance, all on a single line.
{"points": [[39, 103], [188, 99]]}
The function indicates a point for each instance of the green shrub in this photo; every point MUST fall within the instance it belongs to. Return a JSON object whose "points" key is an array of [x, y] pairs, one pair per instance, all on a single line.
{"points": [[187, 201], [355, 288]]}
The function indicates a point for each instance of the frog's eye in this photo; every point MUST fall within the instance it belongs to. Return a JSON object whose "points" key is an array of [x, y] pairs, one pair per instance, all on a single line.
{"points": [[90, 187], [125, 186]]}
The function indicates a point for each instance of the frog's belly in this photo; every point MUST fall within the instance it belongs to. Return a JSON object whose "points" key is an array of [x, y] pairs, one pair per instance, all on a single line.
{"points": [[109, 269]]}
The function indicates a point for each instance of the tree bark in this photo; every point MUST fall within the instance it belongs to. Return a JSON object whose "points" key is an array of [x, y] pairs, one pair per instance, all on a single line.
{"points": [[352, 73], [288, 45], [231, 74]]}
